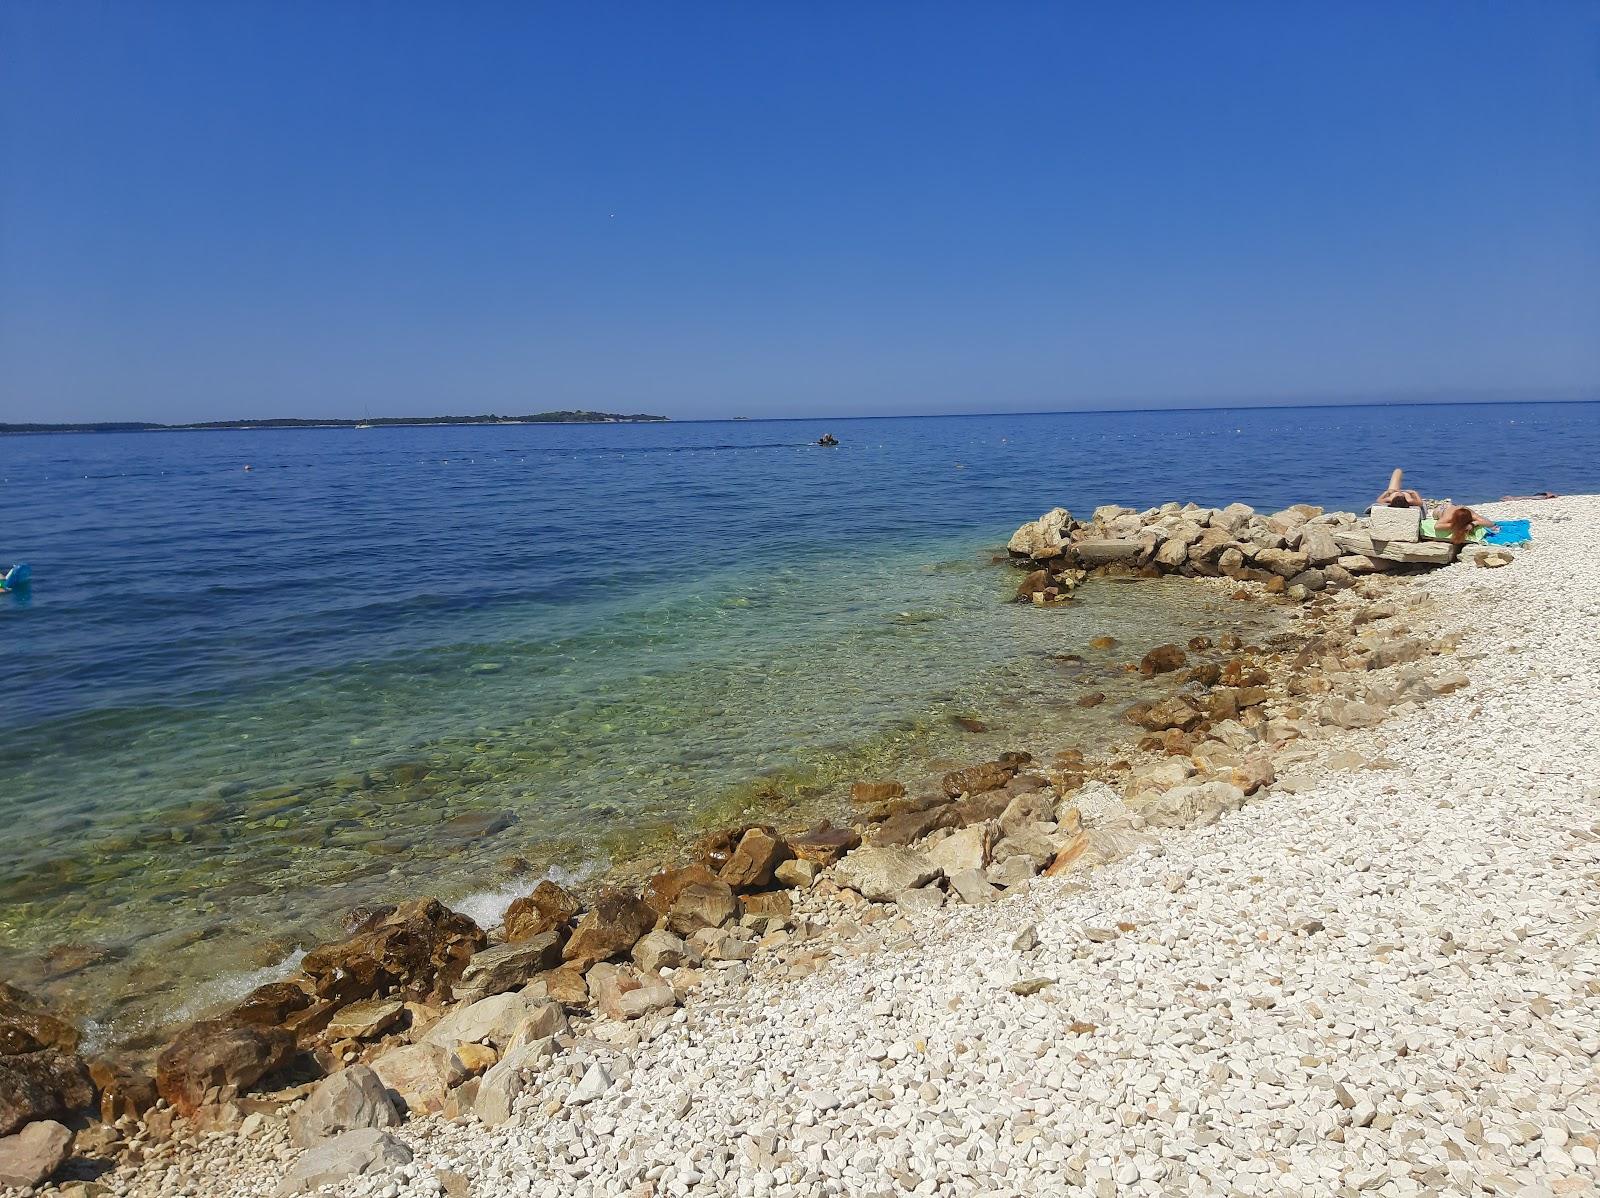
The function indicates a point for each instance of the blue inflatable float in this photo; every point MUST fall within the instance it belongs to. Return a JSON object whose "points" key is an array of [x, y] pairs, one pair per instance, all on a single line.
{"points": [[16, 578]]}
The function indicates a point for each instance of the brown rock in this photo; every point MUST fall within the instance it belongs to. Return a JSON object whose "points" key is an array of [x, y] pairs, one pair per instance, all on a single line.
{"points": [[824, 845], [754, 858], [1163, 659], [417, 950], [769, 902], [26, 1027], [975, 779], [365, 1020], [609, 929], [217, 1053], [124, 1091], [1068, 855], [968, 723], [1205, 674], [662, 890], [1103, 642], [913, 825], [702, 905], [41, 1085], [1239, 672], [875, 792], [565, 986], [1173, 712], [270, 1005], [549, 907]]}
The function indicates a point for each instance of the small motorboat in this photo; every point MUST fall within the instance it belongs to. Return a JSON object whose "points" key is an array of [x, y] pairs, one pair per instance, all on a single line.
{"points": [[16, 578]]}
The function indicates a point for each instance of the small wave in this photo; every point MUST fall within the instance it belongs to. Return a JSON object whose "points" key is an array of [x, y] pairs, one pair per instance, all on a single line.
{"points": [[487, 908], [100, 1036]]}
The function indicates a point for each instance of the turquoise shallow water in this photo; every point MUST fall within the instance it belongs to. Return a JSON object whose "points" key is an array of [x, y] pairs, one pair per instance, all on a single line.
{"points": [[453, 659]]}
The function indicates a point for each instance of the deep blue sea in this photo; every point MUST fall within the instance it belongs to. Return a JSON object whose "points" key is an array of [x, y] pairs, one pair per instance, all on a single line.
{"points": [[455, 659]]}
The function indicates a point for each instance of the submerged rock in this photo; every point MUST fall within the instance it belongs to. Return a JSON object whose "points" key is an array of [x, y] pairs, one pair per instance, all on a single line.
{"points": [[26, 1027]]}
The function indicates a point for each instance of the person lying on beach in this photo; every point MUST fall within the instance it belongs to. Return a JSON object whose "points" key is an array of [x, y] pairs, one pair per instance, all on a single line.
{"points": [[1457, 524], [1395, 496]]}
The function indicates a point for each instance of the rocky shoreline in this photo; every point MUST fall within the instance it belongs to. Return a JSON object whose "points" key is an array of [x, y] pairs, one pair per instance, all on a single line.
{"points": [[421, 1027]]}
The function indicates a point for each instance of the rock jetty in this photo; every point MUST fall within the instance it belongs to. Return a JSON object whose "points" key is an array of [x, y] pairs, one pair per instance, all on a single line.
{"points": [[1299, 551], [1288, 938]]}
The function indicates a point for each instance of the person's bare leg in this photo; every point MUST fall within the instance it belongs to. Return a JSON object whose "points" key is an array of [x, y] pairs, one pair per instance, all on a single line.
{"points": [[1394, 480]]}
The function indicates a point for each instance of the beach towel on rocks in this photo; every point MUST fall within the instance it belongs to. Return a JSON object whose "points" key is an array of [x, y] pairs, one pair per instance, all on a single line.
{"points": [[1510, 532]]}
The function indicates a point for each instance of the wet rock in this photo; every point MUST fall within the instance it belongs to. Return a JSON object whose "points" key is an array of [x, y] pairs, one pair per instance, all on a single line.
{"points": [[1173, 712], [25, 1026], [623, 992], [1163, 659], [1103, 642], [352, 1154], [549, 908], [420, 1076], [609, 929], [272, 1004], [365, 1020], [218, 1054], [875, 792], [754, 858], [509, 966], [975, 779], [824, 845], [349, 1100], [125, 1092], [702, 905], [1092, 699], [879, 873], [33, 1154], [415, 951]]}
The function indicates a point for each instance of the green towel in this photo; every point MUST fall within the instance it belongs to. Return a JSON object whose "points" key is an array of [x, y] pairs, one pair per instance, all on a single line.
{"points": [[1430, 532]]}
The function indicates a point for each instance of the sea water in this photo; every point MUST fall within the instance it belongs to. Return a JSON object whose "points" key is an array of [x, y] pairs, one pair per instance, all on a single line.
{"points": [[451, 660]]}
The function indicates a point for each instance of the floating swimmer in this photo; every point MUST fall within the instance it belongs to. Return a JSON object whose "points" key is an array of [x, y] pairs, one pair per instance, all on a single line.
{"points": [[827, 439]]}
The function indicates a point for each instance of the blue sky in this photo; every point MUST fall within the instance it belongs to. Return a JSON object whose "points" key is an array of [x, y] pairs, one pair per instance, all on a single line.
{"points": [[228, 209]]}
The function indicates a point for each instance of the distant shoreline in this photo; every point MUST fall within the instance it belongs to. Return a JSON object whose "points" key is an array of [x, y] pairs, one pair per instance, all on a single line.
{"points": [[144, 426]]}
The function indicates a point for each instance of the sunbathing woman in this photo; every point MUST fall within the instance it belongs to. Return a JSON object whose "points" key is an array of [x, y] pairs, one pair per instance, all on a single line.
{"points": [[1456, 524], [1395, 497]]}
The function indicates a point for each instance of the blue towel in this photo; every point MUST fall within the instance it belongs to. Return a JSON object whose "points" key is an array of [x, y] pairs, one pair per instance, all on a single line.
{"points": [[1510, 532]]}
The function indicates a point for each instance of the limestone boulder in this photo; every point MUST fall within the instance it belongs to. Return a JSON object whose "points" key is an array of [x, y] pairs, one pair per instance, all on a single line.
{"points": [[609, 929], [349, 1100], [217, 1054], [493, 1020], [1318, 544], [29, 1158], [880, 873], [420, 1076], [972, 887], [1194, 805], [660, 950], [624, 992], [509, 966], [415, 951], [1175, 711], [1103, 551], [550, 908], [969, 848], [1285, 563], [351, 1154], [664, 886], [495, 1101], [1042, 538]]}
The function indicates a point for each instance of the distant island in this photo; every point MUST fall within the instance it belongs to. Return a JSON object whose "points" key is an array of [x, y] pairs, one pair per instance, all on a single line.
{"points": [[144, 426]]}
